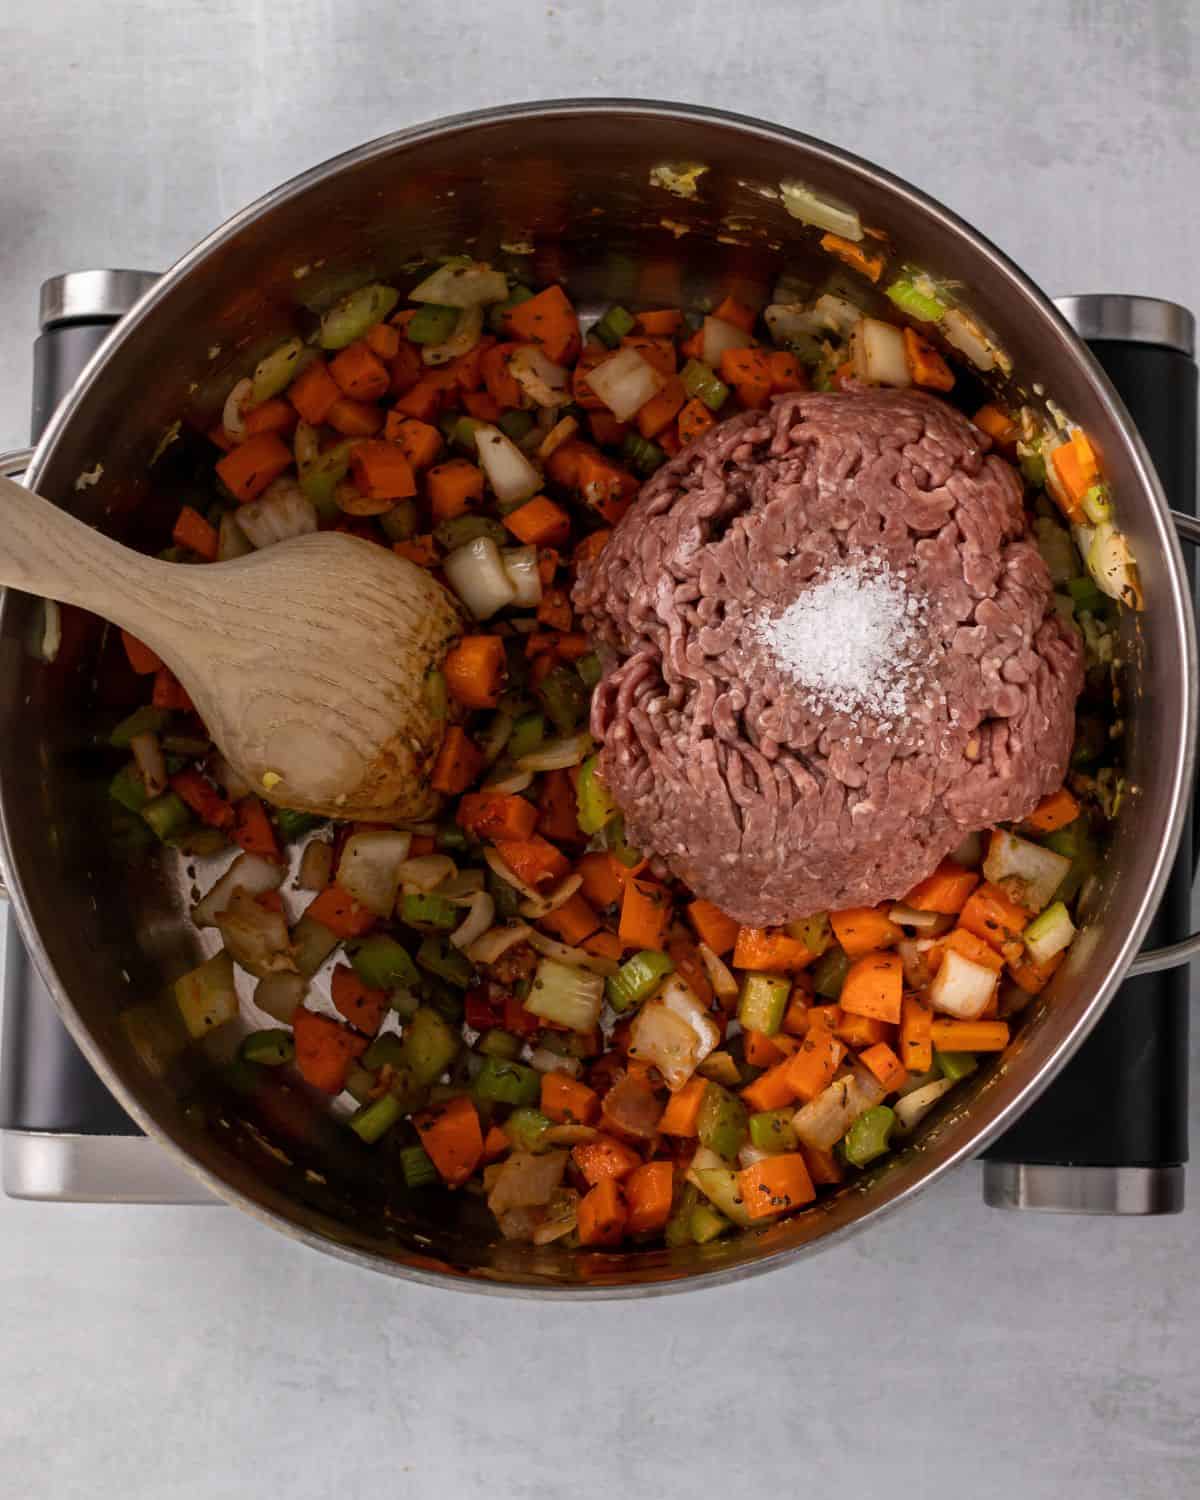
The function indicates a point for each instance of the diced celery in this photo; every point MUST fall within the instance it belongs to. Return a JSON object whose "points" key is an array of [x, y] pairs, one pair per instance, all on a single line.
{"points": [[637, 978], [721, 1187], [916, 304], [572, 997], [499, 311], [294, 825], [507, 898], [956, 1065], [595, 803], [387, 1048], [1085, 595], [829, 974], [501, 1044], [701, 381], [272, 1047], [445, 961], [319, 478], [128, 788], [614, 842], [525, 1128], [528, 732], [721, 1124], [402, 522], [375, 1119], [503, 1082], [459, 530], [1049, 933], [516, 424], [350, 317], [432, 324], [425, 909], [642, 455], [167, 814], [869, 1136], [679, 1226], [722, 1067], [144, 720], [589, 669], [707, 1224], [430, 1045], [771, 1130], [564, 698], [763, 1001], [206, 995], [815, 932], [418, 1169], [1097, 504], [404, 1003], [613, 326], [384, 964], [312, 943]]}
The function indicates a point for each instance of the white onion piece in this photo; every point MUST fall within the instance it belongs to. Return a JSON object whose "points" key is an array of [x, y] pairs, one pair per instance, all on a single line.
{"points": [[718, 336], [477, 921], [961, 987], [426, 872], [720, 976], [233, 418], [502, 872], [152, 767], [461, 886], [477, 574], [316, 866], [968, 338], [750, 1156], [908, 916], [247, 873], [810, 208], [459, 284], [913, 1107], [877, 353], [306, 444], [544, 382], [576, 958], [254, 937], [511, 785], [275, 371], [280, 995], [508, 471], [557, 755], [537, 907], [232, 541], [369, 869], [788, 321], [521, 565], [281, 512], [497, 941], [625, 382], [526, 1181], [467, 333], [562, 432], [545, 1061]]}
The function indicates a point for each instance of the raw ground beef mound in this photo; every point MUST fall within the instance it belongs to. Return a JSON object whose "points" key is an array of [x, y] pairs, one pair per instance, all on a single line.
{"points": [[727, 771]]}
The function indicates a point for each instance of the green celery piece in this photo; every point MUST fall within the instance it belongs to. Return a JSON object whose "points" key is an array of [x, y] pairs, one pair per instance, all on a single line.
{"points": [[446, 962], [525, 1128], [144, 720], [460, 530], [418, 1169], [564, 698], [589, 669], [432, 323], [442, 997], [384, 964], [402, 522], [614, 842], [868, 1137], [272, 1047], [506, 897], [915, 303], [721, 1187], [594, 801], [167, 814], [430, 1046], [643, 455], [815, 932], [1085, 595], [503, 1082], [516, 424], [321, 477], [387, 1048], [637, 978], [375, 1119], [616, 323], [1033, 467], [722, 1122], [706, 1224], [1097, 504], [830, 973], [500, 1044], [451, 839], [425, 909], [763, 1001], [528, 732], [701, 381], [294, 825], [679, 1226], [404, 1003], [956, 1065], [465, 429], [352, 315], [499, 311], [771, 1130], [206, 995], [128, 788]]}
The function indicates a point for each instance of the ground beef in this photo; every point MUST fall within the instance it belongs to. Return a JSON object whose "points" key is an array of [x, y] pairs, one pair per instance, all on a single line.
{"points": [[735, 778]]}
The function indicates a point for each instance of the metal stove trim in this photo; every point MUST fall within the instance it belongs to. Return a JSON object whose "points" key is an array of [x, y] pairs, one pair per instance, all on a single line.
{"points": [[58, 1168], [1045, 1188]]}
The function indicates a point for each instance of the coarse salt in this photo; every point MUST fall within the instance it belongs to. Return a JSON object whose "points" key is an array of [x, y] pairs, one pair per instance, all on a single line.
{"points": [[851, 639]]}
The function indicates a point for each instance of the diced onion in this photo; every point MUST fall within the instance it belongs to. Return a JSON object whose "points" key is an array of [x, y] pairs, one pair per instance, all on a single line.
{"points": [[512, 784], [526, 1180], [369, 868], [476, 573], [717, 337], [557, 755], [509, 472], [467, 333], [537, 907], [1111, 564], [1050, 933], [825, 1120], [280, 995], [720, 976], [750, 1156], [562, 432], [255, 938], [306, 444], [674, 1032], [316, 866], [232, 541], [152, 767], [545, 1061], [961, 987], [282, 512], [565, 993], [877, 353], [1029, 872], [477, 921], [625, 382], [460, 284], [502, 872], [233, 418], [426, 872], [575, 958], [544, 382], [521, 565], [968, 338], [496, 942], [908, 916], [247, 873], [810, 208], [562, 1211], [912, 1108], [461, 886], [274, 371]]}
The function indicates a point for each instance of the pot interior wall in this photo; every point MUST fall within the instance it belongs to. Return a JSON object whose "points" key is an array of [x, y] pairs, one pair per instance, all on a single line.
{"points": [[573, 186]]}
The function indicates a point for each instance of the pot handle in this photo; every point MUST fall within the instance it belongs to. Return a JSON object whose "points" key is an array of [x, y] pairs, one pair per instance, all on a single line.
{"points": [[15, 462]]}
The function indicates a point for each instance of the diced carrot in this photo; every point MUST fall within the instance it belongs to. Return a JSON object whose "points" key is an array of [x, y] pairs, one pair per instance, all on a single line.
{"points": [[454, 488], [381, 471], [340, 912], [482, 405], [885, 1065], [422, 843], [662, 324], [604, 878], [554, 610], [758, 948], [422, 400], [548, 561], [458, 762], [776, 1185], [998, 425], [220, 438], [549, 320], [863, 929], [694, 420], [590, 548], [945, 891], [405, 370], [203, 798], [275, 415], [916, 1046], [605, 485], [474, 669], [969, 1036], [925, 364], [772, 1089], [1053, 812], [361, 1005], [252, 465], [853, 255], [533, 860], [359, 372], [712, 926], [971, 946], [502, 385], [1033, 977], [141, 658], [645, 912], [648, 1191], [844, 378], [563, 464], [355, 418], [253, 830], [874, 986], [383, 340], [861, 1031], [604, 1158], [661, 409], [823, 1166], [540, 523], [1076, 466], [606, 430], [421, 550], [452, 1138], [761, 1051], [314, 392], [604, 944], [169, 692], [495, 1144], [748, 371], [811, 1068], [658, 353], [796, 1016], [682, 1114], [325, 1050], [518, 1020], [669, 440], [730, 310], [786, 373], [991, 915], [572, 922], [601, 1215], [496, 815], [420, 442], [557, 809], [566, 1101]]}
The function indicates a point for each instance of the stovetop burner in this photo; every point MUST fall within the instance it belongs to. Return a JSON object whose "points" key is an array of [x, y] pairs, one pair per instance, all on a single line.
{"points": [[1110, 1134]]}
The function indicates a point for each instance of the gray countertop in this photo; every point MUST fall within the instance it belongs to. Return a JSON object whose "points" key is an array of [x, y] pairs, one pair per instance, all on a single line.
{"points": [[188, 1353]]}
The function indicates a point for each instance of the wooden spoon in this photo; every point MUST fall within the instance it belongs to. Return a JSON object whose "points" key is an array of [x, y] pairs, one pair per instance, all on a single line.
{"points": [[308, 661]]}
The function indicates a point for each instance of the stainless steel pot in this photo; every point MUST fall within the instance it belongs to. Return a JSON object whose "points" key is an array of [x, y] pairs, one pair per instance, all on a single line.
{"points": [[573, 182]]}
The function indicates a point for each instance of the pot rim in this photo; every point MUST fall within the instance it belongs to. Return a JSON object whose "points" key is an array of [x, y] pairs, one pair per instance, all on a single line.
{"points": [[1054, 327]]}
